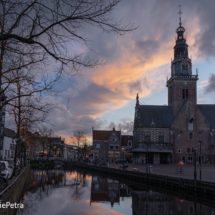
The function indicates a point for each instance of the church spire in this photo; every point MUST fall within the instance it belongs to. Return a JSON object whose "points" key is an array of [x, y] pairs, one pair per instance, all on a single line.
{"points": [[137, 100], [180, 14]]}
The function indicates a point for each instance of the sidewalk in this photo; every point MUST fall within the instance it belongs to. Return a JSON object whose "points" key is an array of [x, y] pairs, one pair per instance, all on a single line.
{"points": [[208, 170]]}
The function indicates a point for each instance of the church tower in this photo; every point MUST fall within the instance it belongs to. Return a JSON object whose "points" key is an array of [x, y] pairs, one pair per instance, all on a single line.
{"points": [[182, 83]]}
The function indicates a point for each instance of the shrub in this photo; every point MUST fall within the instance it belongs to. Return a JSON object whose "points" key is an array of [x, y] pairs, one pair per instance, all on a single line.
{"points": [[34, 165], [41, 165]]}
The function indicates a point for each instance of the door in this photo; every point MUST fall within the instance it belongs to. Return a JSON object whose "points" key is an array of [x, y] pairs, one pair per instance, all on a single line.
{"points": [[183, 159], [163, 158], [150, 158]]}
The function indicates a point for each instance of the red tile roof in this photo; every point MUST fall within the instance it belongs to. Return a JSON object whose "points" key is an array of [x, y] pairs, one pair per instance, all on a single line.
{"points": [[103, 135], [125, 139]]}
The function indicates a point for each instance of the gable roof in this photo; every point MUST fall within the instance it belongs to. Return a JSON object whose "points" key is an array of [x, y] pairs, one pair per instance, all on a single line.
{"points": [[208, 111], [9, 133], [162, 116], [103, 135], [125, 139]]}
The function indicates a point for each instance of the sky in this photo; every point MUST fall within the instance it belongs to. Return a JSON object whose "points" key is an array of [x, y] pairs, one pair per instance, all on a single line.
{"points": [[136, 62]]}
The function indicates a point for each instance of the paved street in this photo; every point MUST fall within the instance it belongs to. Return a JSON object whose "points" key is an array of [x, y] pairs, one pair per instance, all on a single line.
{"points": [[208, 171]]}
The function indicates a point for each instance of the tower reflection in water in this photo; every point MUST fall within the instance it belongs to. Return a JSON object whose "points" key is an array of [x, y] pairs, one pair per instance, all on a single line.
{"points": [[144, 201], [93, 191]]}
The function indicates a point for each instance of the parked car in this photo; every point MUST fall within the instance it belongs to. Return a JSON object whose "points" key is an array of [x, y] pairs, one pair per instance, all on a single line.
{"points": [[122, 160], [6, 170]]}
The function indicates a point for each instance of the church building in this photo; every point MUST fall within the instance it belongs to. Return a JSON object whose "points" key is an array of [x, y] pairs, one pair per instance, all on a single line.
{"points": [[168, 134]]}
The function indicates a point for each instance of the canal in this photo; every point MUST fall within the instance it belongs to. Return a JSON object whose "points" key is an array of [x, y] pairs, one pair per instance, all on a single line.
{"points": [[60, 192]]}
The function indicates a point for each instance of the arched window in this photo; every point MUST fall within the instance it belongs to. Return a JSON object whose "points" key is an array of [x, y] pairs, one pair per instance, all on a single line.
{"points": [[190, 136]]}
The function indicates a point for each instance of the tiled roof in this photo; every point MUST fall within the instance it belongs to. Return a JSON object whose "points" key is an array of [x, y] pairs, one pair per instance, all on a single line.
{"points": [[161, 116], [103, 135], [125, 139], [208, 112], [9, 133]]}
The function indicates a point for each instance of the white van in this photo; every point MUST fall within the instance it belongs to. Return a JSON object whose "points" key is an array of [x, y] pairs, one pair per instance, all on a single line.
{"points": [[6, 171]]}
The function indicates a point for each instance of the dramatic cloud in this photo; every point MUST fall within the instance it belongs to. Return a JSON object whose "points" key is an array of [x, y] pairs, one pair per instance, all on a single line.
{"points": [[211, 84], [137, 62]]}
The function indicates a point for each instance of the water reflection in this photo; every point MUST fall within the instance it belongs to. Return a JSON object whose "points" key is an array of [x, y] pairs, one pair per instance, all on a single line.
{"points": [[53, 192]]}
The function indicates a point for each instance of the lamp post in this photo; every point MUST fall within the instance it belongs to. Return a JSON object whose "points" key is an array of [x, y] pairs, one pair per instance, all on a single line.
{"points": [[200, 166], [147, 158], [194, 150]]}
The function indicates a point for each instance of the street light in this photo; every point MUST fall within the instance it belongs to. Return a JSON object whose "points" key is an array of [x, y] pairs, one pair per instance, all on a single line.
{"points": [[194, 150], [200, 167], [147, 169]]}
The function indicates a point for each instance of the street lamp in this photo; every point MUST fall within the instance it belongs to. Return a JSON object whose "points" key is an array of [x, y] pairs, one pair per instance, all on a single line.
{"points": [[200, 166], [147, 169], [194, 150]]}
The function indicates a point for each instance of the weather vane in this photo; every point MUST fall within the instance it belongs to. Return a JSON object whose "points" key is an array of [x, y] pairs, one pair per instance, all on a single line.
{"points": [[179, 14]]}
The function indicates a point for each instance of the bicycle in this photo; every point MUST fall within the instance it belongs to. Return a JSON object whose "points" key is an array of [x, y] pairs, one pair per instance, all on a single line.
{"points": [[179, 169]]}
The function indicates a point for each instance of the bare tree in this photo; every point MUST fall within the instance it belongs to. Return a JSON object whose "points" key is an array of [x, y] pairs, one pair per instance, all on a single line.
{"points": [[40, 32], [45, 132], [78, 138]]}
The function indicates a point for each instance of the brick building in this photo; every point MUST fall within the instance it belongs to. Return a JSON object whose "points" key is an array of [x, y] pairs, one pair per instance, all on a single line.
{"points": [[106, 145], [168, 133]]}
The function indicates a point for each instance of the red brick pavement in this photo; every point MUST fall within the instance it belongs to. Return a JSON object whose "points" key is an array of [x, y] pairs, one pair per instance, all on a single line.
{"points": [[208, 171]]}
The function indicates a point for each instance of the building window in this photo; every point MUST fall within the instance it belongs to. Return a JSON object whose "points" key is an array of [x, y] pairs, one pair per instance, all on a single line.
{"points": [[147, 136], [129, 143], [116, 146], [110, 186], [161, 137], [113, 139], [190, 136], [12, 140], [184, 93], [190, 158], [116, 154], [160, 206], [179, 151], [188, 149], [98, 146], [96, 187], [5, 152], [111, 146], [115, 186], [8, 153], [190, 126], [110, 153]]}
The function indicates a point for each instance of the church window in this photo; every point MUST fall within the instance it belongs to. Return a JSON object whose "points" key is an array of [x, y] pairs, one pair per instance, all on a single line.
{"points": [[147, 136], [190, 126], [185, 94], [161, 137], [190, 135]]}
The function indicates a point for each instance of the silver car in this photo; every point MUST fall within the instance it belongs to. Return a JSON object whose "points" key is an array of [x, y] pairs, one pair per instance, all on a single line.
{"points": [[6, 170]]}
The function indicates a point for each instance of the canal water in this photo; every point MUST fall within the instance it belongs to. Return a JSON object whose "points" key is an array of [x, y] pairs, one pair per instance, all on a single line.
{"points": [[59, 192]]}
